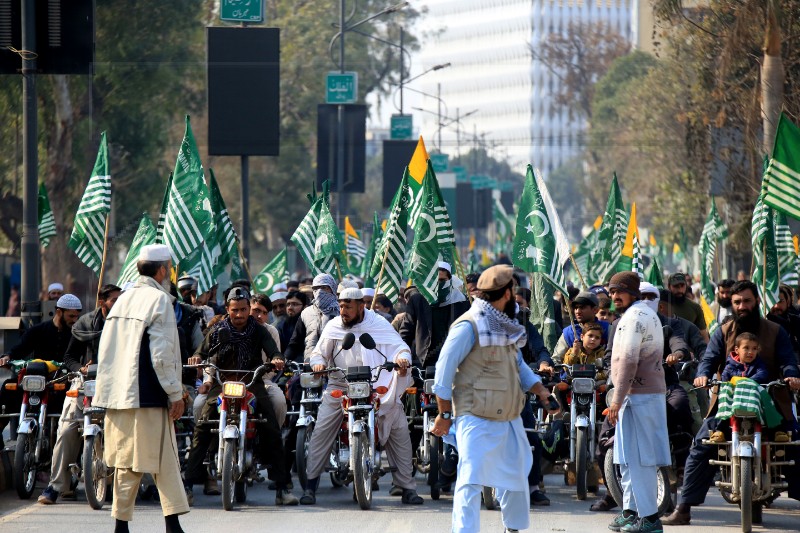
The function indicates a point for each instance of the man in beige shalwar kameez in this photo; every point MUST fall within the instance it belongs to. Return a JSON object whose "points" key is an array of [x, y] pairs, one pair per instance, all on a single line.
{"points": [[139, 384]]}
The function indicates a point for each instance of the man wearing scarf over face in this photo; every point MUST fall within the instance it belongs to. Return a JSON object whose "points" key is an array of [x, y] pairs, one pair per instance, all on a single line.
{"points": [[248, 339], [480, 387], [776, 352], [390, 420], [323, 307]]}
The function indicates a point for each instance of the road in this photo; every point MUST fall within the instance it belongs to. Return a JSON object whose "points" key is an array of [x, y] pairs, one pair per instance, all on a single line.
{"points": [[335, 512]]}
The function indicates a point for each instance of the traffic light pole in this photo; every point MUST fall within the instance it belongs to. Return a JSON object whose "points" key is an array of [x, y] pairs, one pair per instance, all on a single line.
{"points": [[29, 293]]}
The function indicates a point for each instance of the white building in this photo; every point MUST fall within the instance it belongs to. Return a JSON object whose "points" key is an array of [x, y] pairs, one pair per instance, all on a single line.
{"points": [[488, 43]]}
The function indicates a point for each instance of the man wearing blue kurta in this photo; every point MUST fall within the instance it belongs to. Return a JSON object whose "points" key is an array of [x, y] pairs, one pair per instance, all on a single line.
{"points": [[480, 383]]}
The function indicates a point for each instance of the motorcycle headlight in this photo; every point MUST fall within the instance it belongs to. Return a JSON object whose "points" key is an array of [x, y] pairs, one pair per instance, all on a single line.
{"points": [[428, 386], [233, 389], [583, 385], [358, 390], [33, 383], [310, 381], [89, 388]]}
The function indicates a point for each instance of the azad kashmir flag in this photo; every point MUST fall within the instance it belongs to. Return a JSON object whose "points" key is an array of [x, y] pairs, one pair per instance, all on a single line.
{"points": [[305, 236], [781, 188], [227, 243], [434, 240], [389, 262], [47, 221], [765, 255], [188, 226], [356, 251], [787, 258], [329, 245], [275, 272], [417, 169], [713, 230], [541, 248], [587, 249], [146, 234], [611, 236], [88, 237], [374, 243], [631, 255], [504, 225]]}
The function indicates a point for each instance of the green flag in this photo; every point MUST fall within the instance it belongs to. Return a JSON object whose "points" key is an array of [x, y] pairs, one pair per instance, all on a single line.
{"points": [[188, 226], [329, 244], [47, 221], [305, 235], [88, 235], [226, 239], [765, 255], [389, 262], [146, 234], [612, 233], [433, 239], [275, 272], [543, 310], [374, 243], [540, 244], [782, 178], [787, 259], [714, 230], [654, 276], [504, 224]]}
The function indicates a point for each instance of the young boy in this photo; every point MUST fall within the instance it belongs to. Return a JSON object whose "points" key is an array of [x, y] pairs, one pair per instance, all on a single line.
{"points": [[745, 362], [589, 349], [604, 312]]}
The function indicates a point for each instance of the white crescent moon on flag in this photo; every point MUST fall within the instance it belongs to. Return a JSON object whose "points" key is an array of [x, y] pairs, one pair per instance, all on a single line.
{"points": [[270, 282], [545, 223], [431, 224]]}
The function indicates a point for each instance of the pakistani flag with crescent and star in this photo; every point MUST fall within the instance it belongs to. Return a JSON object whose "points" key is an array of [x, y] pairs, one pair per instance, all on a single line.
{"points": [[540, 244], [433, 239], [275, 272]]}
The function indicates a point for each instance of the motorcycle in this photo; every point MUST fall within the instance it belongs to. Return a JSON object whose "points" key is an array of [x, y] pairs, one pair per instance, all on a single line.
{"points": [[430, 451], [312, 386], [356, 455], [750, 466], [96, 473], [36, 432], [234, 461]]}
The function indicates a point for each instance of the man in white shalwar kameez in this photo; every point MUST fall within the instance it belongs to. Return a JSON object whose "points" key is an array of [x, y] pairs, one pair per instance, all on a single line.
{"points": [[481, 376], [390, 421]]}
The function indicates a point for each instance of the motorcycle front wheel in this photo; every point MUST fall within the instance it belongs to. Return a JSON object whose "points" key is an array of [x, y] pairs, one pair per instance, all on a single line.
{"points": [[433, 470], [25, 466], [94, 471], [301, 452], [746, 492], [362, 475], [613, 478], [581, 460], [228, 475]]}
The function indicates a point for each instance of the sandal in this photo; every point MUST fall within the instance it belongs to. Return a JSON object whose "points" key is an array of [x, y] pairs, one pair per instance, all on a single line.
{"points": [[411, 497], [603, 504]]}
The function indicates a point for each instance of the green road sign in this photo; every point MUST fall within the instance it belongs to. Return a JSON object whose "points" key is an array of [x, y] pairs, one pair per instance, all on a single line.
{"points": [[242, 10], [439, 162], [402, 126], [341, 88]]}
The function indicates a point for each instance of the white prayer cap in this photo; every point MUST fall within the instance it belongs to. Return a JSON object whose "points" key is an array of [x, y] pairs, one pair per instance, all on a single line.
{"points": [[351, 293], [446, 266], [279, 287], [55, 287], [276, 296], [128, 285], [346, 284], [648, 288], [367, 291], [69, 301], [155, 252]]}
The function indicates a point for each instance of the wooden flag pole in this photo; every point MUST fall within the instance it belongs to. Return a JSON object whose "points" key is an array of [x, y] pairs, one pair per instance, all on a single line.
{"points": [[338, 269], [103, 263], [243, 261], [578, 270]]}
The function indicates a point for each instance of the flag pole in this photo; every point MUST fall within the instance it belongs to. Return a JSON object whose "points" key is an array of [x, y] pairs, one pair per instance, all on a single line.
{"points": [[103, 263], [243, 261], [569, 307], [338, 269], [578, 270]]}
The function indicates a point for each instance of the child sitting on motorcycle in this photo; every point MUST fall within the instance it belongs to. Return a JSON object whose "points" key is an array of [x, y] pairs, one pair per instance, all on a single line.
{"points": [[589, 349], [744, 361]]}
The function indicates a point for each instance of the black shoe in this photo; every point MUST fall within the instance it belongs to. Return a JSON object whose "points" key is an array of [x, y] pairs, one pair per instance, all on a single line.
{"points": [[410, 497], [539, 498], [395, 491], [309, 497]]}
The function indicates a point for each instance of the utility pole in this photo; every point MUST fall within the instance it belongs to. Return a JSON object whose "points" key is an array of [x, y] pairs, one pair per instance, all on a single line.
{"points": [[31, 307], [439, 113], [340, 203], [402, 69]]}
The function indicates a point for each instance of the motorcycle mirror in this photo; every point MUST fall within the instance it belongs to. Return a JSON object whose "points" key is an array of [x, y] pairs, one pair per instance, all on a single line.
{"points": [[367, 341], [348, 341], [224, 335]]}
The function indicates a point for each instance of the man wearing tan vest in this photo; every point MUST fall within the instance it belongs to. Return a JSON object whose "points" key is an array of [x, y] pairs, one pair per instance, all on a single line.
{"points": [[480, 384]]}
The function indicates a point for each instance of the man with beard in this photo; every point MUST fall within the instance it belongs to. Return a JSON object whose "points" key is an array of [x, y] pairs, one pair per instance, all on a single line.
{"points": [[296, 302], [248, 340], [390, 419], [721, 307], [481, 380], [314, 318], [641, 443], [776, 351], [684, 307], [781, 313]]}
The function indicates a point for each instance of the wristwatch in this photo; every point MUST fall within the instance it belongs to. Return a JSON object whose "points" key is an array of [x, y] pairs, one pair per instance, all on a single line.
{"points": [[446, 415]]}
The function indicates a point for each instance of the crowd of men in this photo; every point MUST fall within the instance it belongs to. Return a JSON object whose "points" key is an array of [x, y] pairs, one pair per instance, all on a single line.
{"points": [[477, 335]]}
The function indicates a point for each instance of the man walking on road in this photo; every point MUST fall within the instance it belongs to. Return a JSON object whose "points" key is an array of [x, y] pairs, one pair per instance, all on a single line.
{"points": [[480, 380], [139, 385], [638, 409]]}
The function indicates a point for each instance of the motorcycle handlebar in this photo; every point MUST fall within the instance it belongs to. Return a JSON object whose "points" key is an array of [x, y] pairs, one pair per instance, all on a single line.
{"points": [[257, 373]]}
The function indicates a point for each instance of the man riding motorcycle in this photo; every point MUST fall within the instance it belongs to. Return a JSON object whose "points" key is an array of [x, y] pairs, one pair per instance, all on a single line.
{"points": [[243, 352]]}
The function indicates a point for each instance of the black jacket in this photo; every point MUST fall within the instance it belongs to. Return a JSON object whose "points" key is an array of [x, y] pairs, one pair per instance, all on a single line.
{"points": [[42, 341], [424, 328]]}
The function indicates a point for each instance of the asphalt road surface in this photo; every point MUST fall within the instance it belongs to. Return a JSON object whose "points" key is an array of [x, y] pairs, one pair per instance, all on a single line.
{"points": [[336, 512]]}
